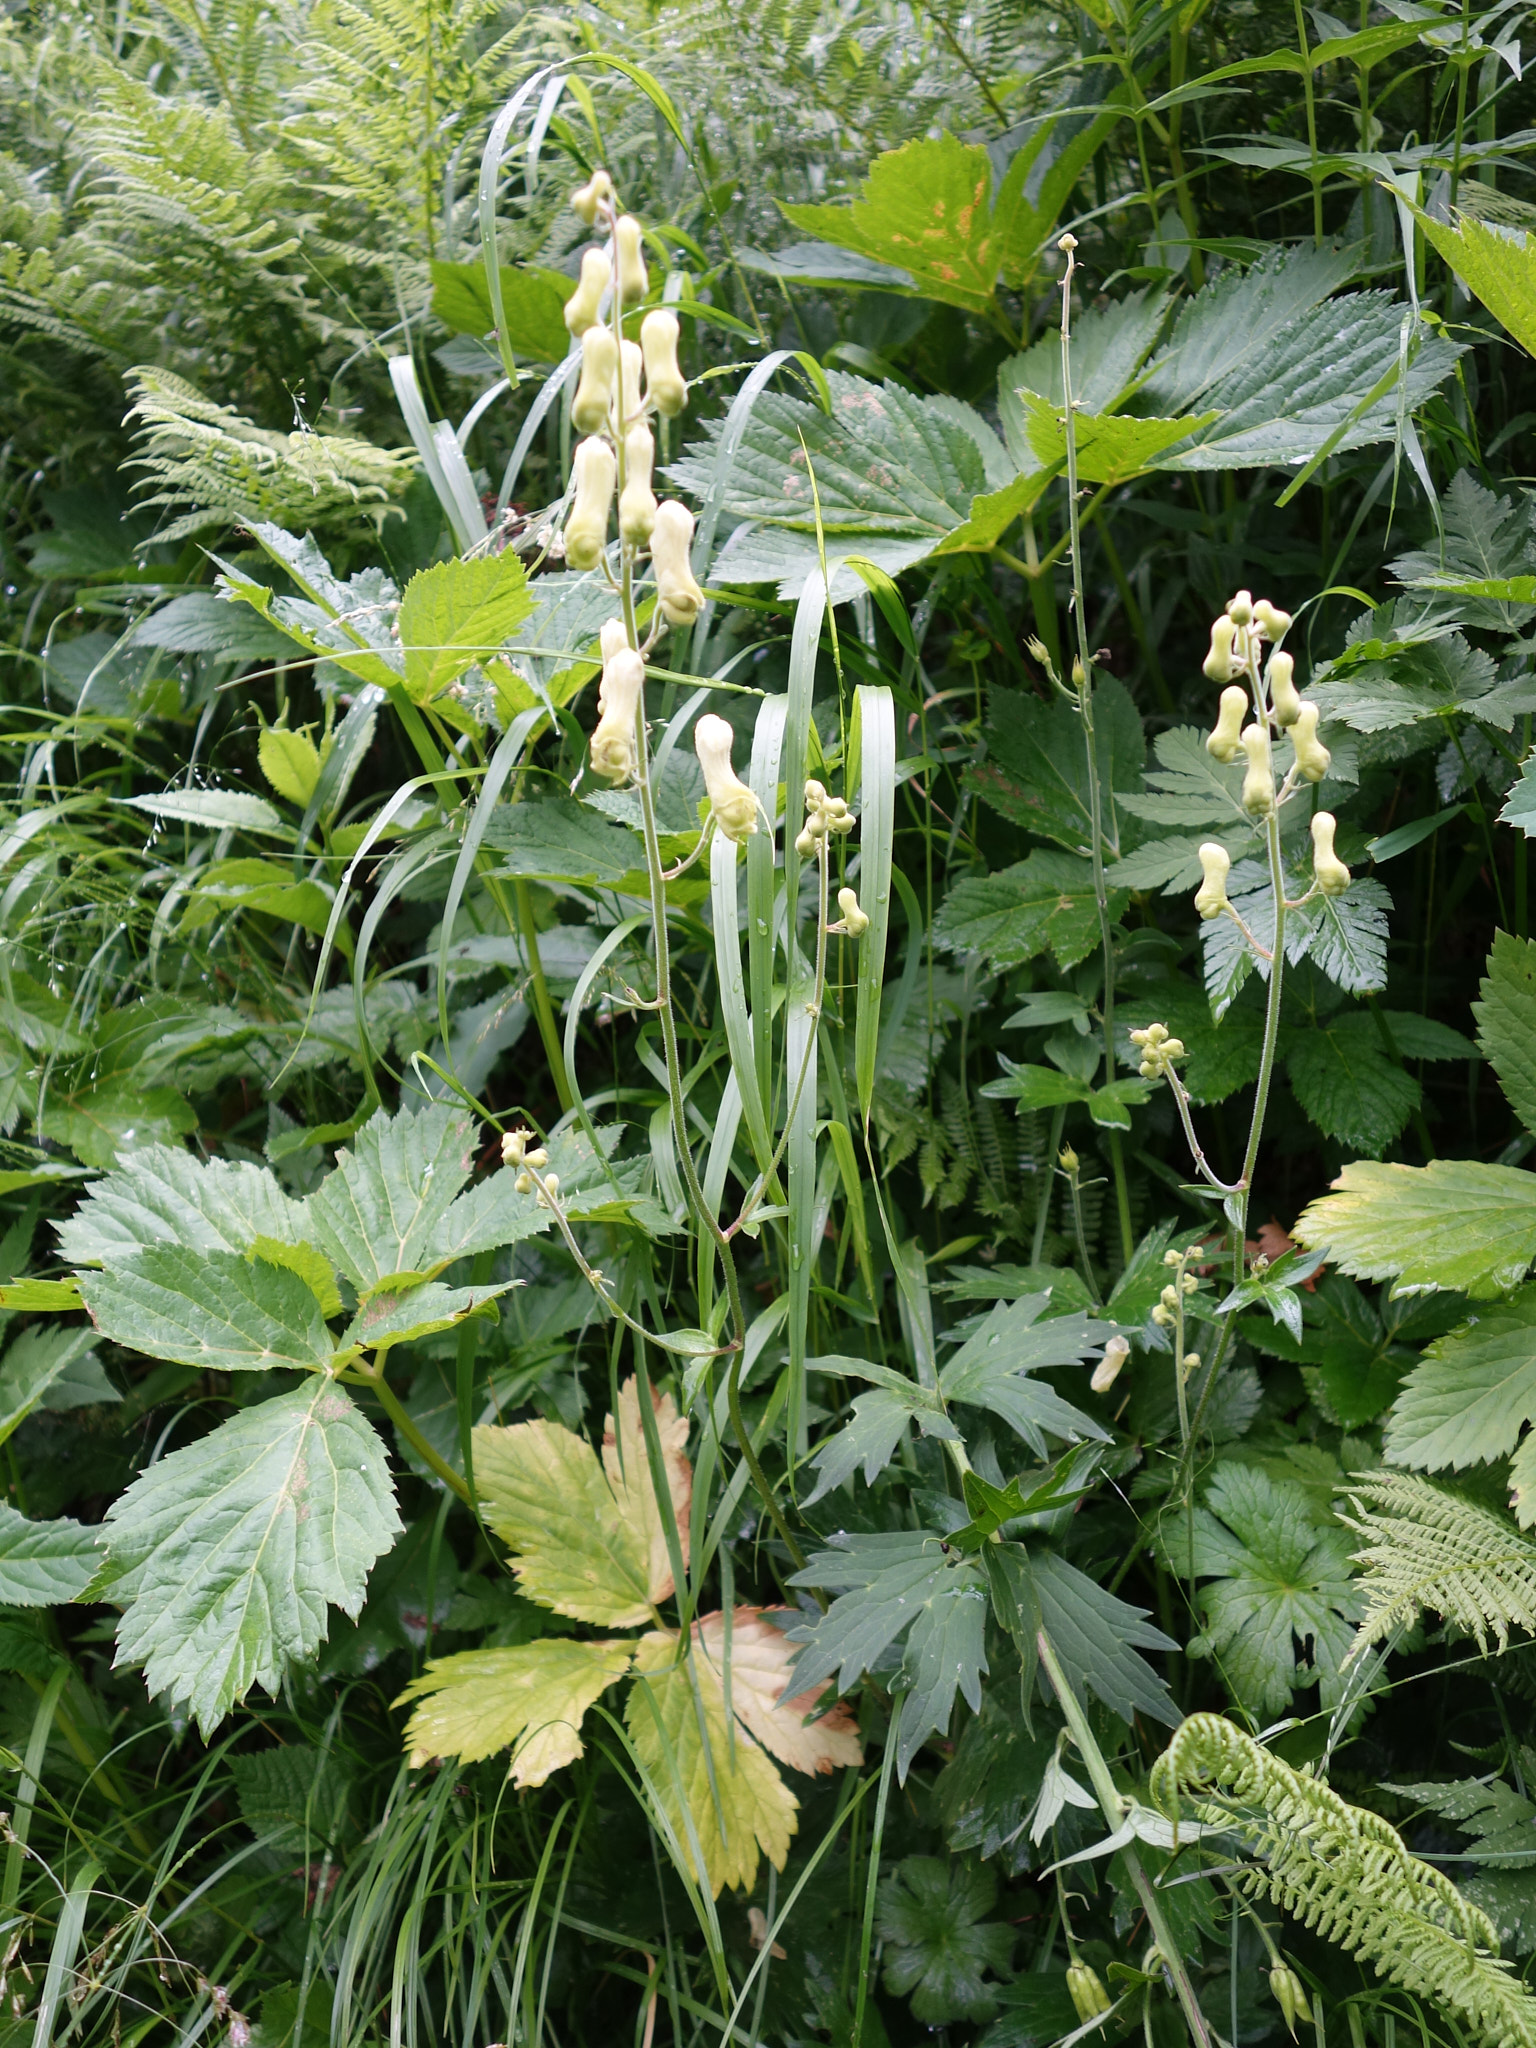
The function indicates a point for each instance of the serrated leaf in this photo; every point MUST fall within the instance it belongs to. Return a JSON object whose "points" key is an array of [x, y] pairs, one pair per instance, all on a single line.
{"points": [[1506, 1021], [879, 1421], [761, 1662], [312, 1267], [1348, 1085], [992, 1367], [1455, 1223], [113, 1119], [43, 1564], [211, 1309], [1497, 264], [532, 306], [165, 1196], [1239, 316], [266, 887], [1486, 543], [293, 1797], [1279, 1606], [938, 1946], [1044, 903], [1111, 447], [33, 1367], [531, 1700], [1347, 936], [1096, 1636], [713, 1783], [1036, 770], [1408, 682], [1188, 787], [1471, 1393], [457, 613], [558, 839], [217, 810], [229, 1552], [290, 761], [626, 1462], [1172, 865], [405, 1317]]}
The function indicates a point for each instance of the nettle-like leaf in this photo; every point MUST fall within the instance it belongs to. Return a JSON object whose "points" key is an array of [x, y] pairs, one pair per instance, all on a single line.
{"points": [[50, 1366], [208, 1308], [226, 1555], [1380, 683], [1360, 1352], [583, 1541], [531, 1700], [1043, 904], [164, 1196], [1279, 1604], [457, 613], [44, 1564], [1036, 769], [1344, 936], [1471, 1394], [1497, 263], [1349, 1084], [1506, 1021], [1486, 544], [930, 1914], [1455, 1223]]}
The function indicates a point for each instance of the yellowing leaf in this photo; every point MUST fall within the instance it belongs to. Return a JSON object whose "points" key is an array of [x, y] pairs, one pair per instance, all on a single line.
{"points": [[544, 1494], [760, 1657], [629, 1474], [531, 1699], [290, 762], [755, 1810]]}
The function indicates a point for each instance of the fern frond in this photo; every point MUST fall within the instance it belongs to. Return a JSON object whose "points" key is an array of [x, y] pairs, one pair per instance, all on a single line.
{"points": [[1426, 1548], [1345, 1873], [232, 472]]}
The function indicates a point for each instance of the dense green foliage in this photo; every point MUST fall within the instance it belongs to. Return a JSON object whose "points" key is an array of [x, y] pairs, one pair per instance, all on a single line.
{"points": [[806, 1402]]}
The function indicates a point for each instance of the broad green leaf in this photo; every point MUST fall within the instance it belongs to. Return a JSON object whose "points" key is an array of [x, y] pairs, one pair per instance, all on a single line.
{"points": [[1471, 1394], [457, 613], [713, 1784], [1348, 1084], [1506, 1021], [217, 810], [388, 1318], [266, 886], [938, 1945], [985, 1793], [558, 839], [294, 1797], [1034, 1087], [1222, 1056], [212, 1309], [1455, 1223], [1036, 769], [165, 1196], [1495, 263], [1044, 903], [228, 1552], [531, 1700], [43, 1564], [383, 1210], [290, 761], [1240, 316], [1486, 545], [312, 1267], [1109, 345], [1111, 447], [40, 1297], [34, 1369], [1095, 1635], [992, 1370], [557, 645], [1280, 1608], [1188, 787], [113, 1119], [532, 306], [1520, 808]]}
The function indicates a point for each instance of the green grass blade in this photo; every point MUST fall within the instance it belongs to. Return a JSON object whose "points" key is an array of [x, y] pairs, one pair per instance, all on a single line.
{"points": [[61, 1957], [764, 774], [873, 745], [733, 996]]}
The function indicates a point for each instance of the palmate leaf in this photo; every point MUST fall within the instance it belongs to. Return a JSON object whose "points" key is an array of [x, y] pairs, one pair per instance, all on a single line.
{"points": [[1506, 1021], [753, 1645], [1471, 1394], [1044, 903], [992, 1370], [1412, 681], [226, 1554], [1455, 1223], [939, 1947], [457, 613], [531, 1700], [43, 1564], [1188, 787], [211, 1309], [1036, 771], [1095, 1635]]}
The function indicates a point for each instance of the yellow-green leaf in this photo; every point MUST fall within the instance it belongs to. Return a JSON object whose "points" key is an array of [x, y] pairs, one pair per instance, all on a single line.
{"points": [[629, 1474], [1498, 265], [291, 763], [726, 1804], [544, 1494], [530, 1700], [312, 1267]]}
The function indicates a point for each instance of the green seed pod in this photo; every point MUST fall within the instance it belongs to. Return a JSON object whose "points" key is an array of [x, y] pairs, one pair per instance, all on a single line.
{"points": [[1331, 873], [1224, 740], [1284, 699], [594, 393], [1290, 1995], [586, 529], [1086, 1988], [1312, 757], [679, 595], [663, 379], [634, 280], [597, 191], [637, 501], [581, 307], [1259, 782]]}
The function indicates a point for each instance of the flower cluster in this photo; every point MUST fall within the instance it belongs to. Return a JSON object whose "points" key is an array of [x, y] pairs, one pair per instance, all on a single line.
{"points": [[1159, 1049]]}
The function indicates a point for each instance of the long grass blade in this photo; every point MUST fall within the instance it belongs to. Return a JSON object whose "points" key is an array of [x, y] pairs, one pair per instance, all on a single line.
{"points": [[873, 744]]}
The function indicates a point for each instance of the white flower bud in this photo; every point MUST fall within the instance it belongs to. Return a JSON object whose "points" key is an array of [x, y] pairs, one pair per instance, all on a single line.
{"points": [[1223, 741], [1216, 864], [586, 199], [734, 805], [805, 843], [680, 598], [637, 501], [1273, 623], [1170, 1297], [1312, 757], [663, 379], [1171, 1258], [855, 921], [1240, 610], [1332, 875], [634, 281], [596, 470], [612, 750], [1219, 665], [1107, 1371], [594, 393], [629, 405], [581, 307], [1259, 782], [1284, 700]]}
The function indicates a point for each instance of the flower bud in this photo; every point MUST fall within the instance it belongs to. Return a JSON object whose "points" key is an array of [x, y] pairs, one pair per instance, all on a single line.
{"points": [[1170, 1297], [680, 598], [1190, 1362], [581, 307], [1273, 623], [594, 393], [1163, 1317], [1312, 757], [586, 529], [1223, 741], [637, 501], [855, 921], [1171, 1258], [1258, 783], [1216, 865], [1240, 610], [1290, 1995], [586, 199], [734, 805], [612, 750], [805, 843], [1331, 873], [1069, 1159], [629, 407], [1107, 1371], [1283, 698], [634, 282], [1084, 1985], [1219, 665], [664, 382]]}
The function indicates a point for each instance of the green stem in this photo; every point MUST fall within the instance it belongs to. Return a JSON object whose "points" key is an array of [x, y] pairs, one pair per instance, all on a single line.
{"points": [[1307, 89], [543, 1008], [1113, 1810], [389, 1401]]}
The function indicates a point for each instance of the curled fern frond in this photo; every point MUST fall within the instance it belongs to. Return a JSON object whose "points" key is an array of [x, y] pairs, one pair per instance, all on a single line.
{"points": [[1426, 1548], [232, 472], [1345, 1873]]}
